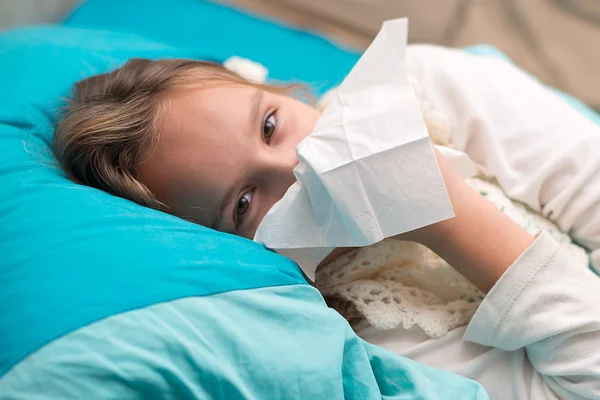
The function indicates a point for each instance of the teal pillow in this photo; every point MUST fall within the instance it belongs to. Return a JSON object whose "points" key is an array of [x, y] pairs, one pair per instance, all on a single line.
{"points": [[104, 299]]}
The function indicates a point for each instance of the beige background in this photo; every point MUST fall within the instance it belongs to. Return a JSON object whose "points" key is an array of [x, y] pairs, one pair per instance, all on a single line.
{"points": [[26, 12], [558, 40]]}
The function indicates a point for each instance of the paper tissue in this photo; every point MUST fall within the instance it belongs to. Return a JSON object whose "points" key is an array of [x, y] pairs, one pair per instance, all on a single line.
{"points": [[367, 171]]}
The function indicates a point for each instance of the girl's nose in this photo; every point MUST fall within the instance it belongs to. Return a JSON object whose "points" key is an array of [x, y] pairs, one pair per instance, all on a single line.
{"points": [[280, 172]]}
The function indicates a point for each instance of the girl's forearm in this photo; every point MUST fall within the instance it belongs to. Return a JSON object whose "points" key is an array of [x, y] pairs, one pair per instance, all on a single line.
{"points": [[480, 242]]}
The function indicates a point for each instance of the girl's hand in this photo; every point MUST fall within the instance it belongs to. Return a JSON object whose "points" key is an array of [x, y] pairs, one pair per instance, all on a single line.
{"points": [[480, 241]]}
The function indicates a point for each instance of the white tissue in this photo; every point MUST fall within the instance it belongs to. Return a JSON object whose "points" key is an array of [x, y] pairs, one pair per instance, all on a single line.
{"points": [[367, 171]]}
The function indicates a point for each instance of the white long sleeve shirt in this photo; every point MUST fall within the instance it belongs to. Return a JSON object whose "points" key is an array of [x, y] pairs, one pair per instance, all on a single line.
{"points": [[536, 335]]}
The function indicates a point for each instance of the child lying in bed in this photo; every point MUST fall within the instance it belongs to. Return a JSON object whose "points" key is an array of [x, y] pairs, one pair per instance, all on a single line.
{"points": [[202, 143]]}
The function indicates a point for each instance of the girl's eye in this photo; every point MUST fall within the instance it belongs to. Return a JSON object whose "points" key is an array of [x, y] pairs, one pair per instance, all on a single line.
{"points": [[269, 126], [243, 205]]}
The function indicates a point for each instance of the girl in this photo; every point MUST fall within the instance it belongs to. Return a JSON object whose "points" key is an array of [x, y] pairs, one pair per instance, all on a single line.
{"points": [[204, 144]]}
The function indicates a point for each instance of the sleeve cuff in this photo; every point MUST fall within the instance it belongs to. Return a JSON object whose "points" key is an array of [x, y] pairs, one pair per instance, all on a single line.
{"points": [[499, 302]]}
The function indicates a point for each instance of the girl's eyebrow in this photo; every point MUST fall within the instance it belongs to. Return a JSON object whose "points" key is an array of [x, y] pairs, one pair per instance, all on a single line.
{"points": [[255, 107]]}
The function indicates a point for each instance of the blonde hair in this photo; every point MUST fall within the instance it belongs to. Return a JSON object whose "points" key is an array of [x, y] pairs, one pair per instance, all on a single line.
{"points": [[112, 119]]}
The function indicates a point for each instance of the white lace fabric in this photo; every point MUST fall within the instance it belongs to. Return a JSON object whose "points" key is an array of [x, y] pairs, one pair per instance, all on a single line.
{"points": [[395, 283]]}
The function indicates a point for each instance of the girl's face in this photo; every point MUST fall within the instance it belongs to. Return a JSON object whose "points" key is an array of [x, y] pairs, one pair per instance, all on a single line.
{"points": [[225, 155]]}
